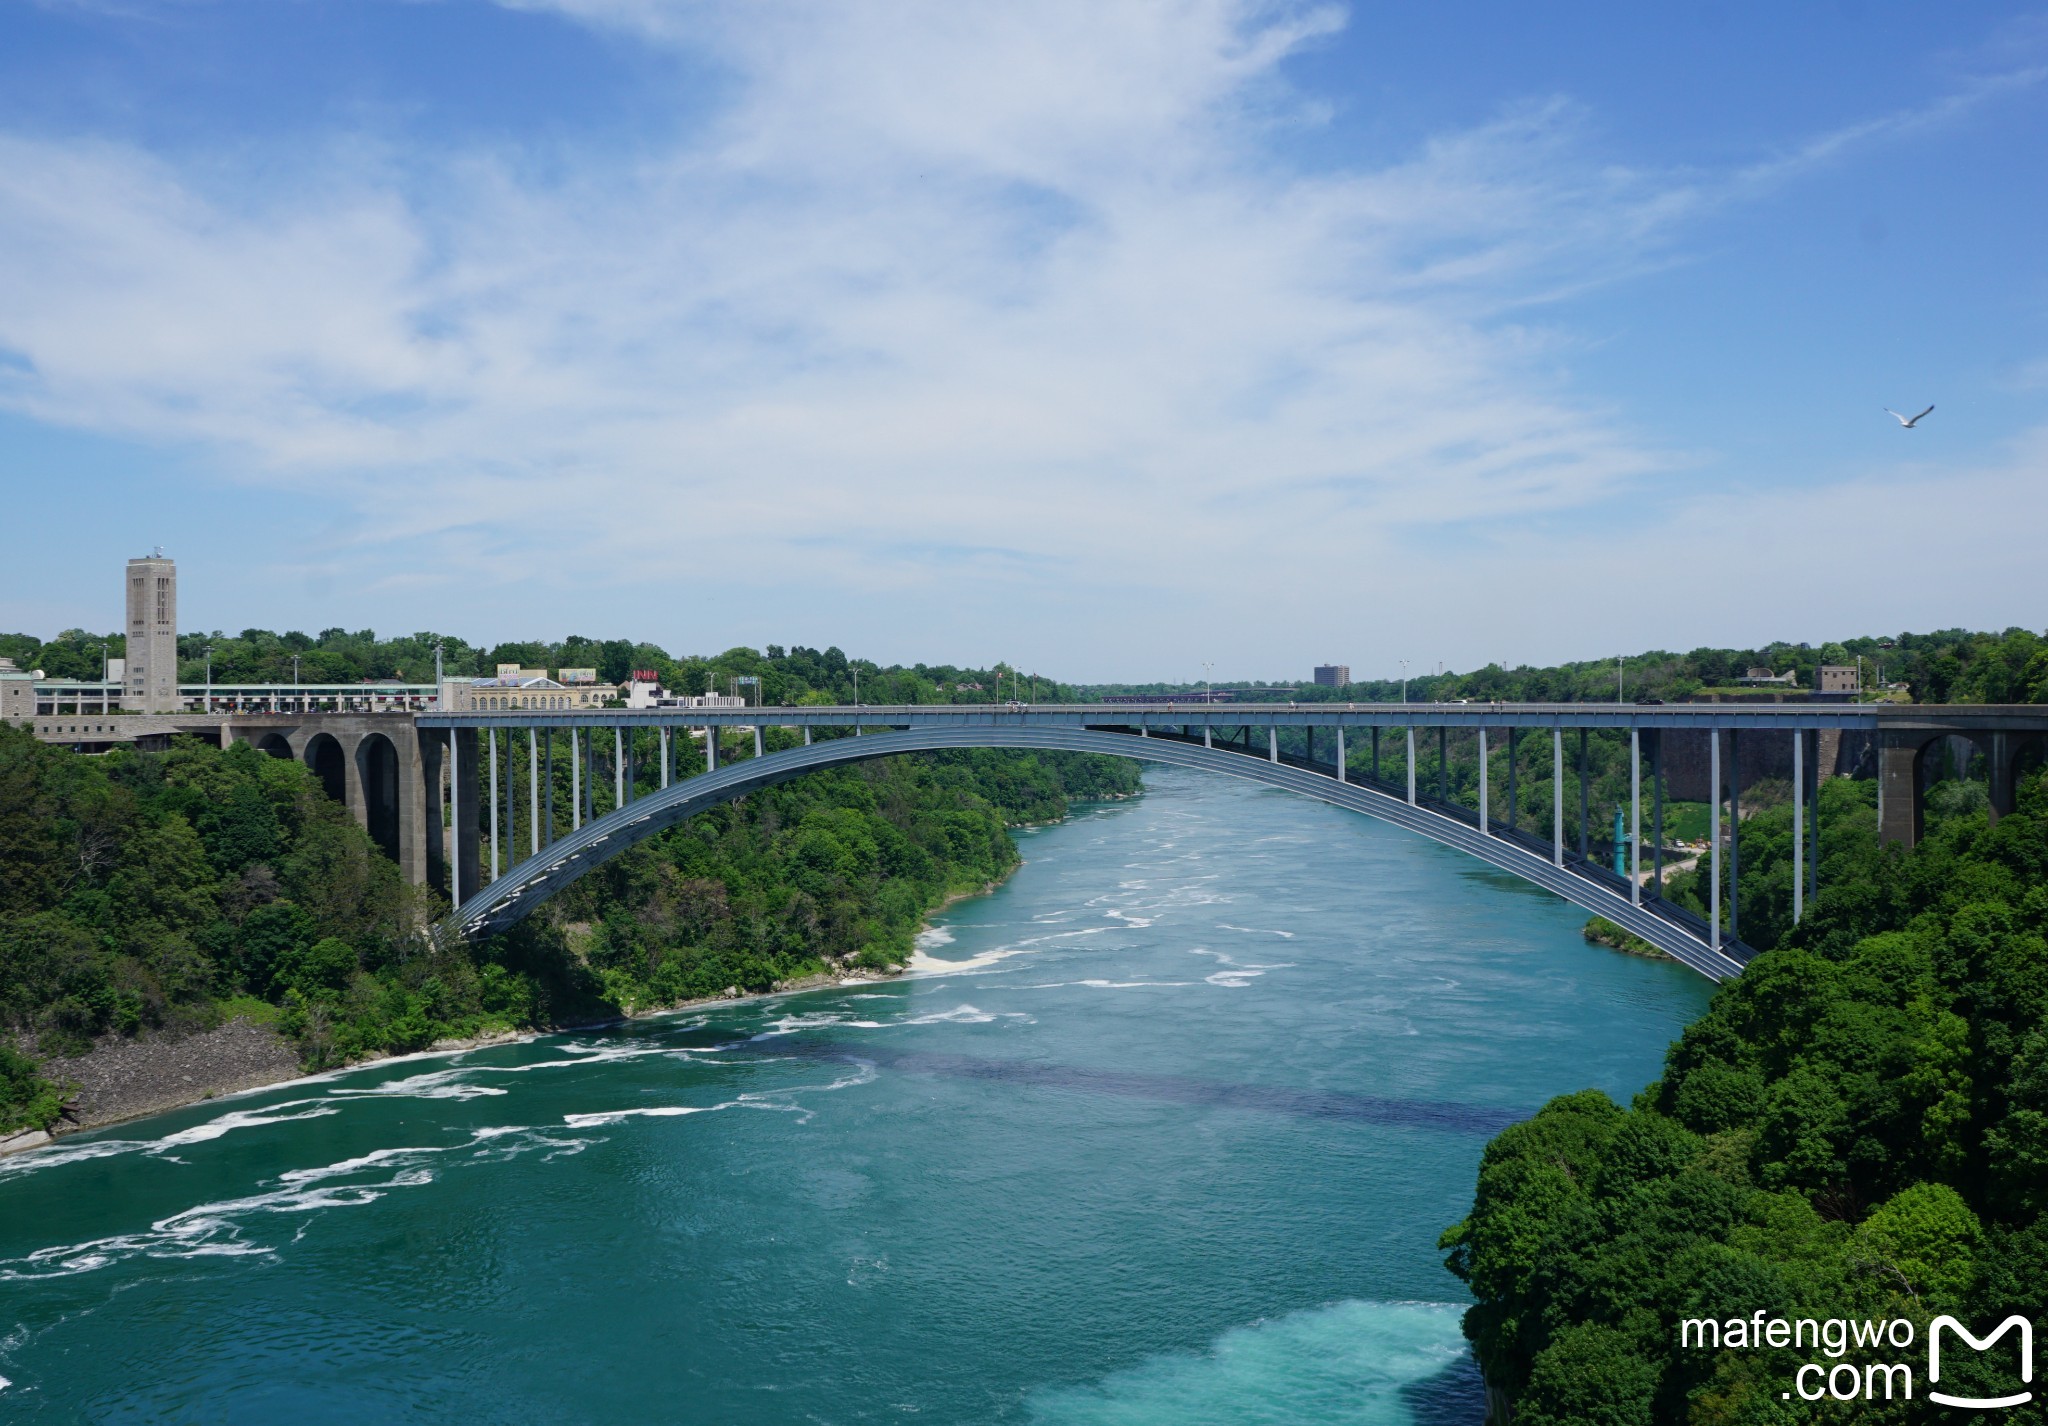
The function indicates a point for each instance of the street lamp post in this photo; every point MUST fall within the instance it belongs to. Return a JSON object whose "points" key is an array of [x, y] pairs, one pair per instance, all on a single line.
{"points": [[209, 678], [1404, 681], [1208, 692], [296, 698]]}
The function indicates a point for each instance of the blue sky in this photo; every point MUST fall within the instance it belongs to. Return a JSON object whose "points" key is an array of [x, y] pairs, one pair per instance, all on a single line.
{"points": [[1107, 338]]}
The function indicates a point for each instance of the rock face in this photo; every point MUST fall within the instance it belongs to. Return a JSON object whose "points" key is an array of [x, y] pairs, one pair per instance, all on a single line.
{"points": [[122, 1079], [26, 1139]]}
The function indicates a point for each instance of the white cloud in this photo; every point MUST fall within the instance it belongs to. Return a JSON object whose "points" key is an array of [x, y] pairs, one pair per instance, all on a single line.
{"points": [[1030, 292]]}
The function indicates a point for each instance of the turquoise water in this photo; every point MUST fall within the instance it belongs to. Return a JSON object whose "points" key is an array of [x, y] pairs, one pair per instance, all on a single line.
{"points": [[1162, 1131]]}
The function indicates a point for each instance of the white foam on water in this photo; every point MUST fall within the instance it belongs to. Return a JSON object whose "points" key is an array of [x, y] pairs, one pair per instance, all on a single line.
{"points": [[933, 936], [1351, 1364], [217, 1229], [444, 1084], [614, 1116], [812, 1020], [1254, 930], [927, 965], [63, 1152], [243, 1119], [959, 1015], [775, 1100], [1107, 984]]}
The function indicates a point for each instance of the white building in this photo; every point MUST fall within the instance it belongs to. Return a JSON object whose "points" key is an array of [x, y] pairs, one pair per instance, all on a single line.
{"points": [[522, 688]]}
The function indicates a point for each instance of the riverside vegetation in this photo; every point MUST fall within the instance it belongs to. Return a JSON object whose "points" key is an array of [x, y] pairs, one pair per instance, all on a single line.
{"points": [[1857, 1128], [166, 892]]}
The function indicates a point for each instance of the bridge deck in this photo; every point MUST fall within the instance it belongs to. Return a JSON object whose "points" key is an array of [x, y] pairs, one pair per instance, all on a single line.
{"points": [[1874, 717]]}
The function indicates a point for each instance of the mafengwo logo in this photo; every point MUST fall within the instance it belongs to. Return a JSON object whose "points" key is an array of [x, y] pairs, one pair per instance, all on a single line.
{"points": [[1983, 1344], [1838, 1338]]}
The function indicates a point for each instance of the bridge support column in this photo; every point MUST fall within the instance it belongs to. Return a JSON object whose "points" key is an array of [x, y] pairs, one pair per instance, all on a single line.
{"points": [[1657, 816], [1557, 797], [1583, 851], [433, 767], [1813, 827], [575, 780], [1273, 743], [493, 733], [1901, 815], [465, 838], [1998, 763], [533, 792], [511, 803], [1208, 736], [807, 735], [1411, 767], [1513, 734], [1375, 752], [355, 795], [1798, 825], [1340, 754], [1734, 834], [1714, 838], [547, 780], [1443, 764], [1635, 817], [664, 732], [1485, 819], [618, 767], [760, 748]]}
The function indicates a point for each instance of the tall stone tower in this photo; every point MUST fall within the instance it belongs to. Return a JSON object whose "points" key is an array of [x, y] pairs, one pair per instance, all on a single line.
{"points": [[152, 671]]}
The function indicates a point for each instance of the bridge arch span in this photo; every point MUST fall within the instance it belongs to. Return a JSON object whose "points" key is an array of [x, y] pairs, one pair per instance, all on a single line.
{"points": [[516, 894], [329, 763]]}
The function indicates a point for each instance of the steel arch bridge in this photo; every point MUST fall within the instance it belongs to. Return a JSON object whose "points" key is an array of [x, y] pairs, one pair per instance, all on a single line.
{"points": [[513, 896]]}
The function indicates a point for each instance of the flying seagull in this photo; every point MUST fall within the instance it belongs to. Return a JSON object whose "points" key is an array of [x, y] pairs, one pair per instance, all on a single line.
{"points": [[1903, 422]]}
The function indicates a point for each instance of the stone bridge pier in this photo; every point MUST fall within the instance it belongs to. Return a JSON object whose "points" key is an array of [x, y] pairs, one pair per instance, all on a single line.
{"points": [[389, 777], [1905, 759]]}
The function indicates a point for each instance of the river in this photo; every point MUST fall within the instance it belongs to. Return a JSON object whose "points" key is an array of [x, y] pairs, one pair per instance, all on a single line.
{"points": [[1162, 1131]]}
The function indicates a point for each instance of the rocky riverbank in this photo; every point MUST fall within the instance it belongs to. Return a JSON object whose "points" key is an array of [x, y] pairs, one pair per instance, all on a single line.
{"points": [[128, 1078], [121, 1078]]}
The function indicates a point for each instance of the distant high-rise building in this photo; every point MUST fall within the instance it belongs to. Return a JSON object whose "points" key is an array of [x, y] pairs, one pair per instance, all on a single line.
{"points": [[150, 678], [1333, 675]]}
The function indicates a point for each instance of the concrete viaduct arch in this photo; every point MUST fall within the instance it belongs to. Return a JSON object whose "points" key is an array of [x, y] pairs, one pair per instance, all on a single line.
{"points": [[519, 891], [373, 764], [1902, 802]]}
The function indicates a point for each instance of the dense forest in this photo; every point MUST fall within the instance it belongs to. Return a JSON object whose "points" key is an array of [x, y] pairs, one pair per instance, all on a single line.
{"points": [[1950, 666], [1856, 1129], [786, 675], [165, 892]]}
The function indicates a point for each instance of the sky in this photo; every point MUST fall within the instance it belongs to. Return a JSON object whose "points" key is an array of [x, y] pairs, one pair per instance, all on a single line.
{"points": [[1107, 339]]}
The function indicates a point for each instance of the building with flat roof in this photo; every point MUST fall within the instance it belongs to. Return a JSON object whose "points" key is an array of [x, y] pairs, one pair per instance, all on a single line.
{"points": [[1840, 678], [17, 691], [516, 687], [1333, 675], [150, 683]]}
